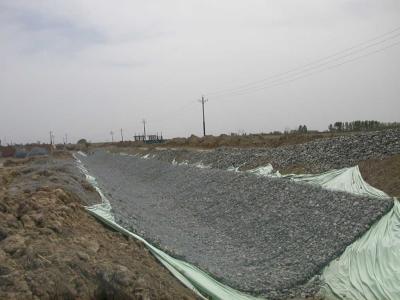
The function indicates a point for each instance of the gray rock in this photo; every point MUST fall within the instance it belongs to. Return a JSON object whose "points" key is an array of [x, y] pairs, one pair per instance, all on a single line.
{"points": [[260, 235], [316, 156]]}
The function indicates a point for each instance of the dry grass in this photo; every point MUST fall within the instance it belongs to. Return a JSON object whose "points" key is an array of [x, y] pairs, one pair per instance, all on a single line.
{"points": [[223, 140]]}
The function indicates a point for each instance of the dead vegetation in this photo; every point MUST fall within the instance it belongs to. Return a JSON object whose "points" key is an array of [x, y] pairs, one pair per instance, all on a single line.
{"points": [[16, 162], [251, 140], [224, 140]]}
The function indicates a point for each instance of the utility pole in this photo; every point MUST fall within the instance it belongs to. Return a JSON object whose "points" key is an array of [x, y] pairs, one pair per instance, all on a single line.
{"points": [[144, 128], [122, 136], [66, 138], [51, 138], [112, 136], [202, 101]]}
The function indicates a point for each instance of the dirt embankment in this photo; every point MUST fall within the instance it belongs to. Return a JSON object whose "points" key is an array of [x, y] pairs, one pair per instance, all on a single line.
{"points": [[261, 140], [250, 140], [51, 248]]}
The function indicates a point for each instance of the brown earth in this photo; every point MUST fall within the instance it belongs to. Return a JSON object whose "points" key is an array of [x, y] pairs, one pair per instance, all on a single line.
{"points": [[383, 174], [51, 248]]}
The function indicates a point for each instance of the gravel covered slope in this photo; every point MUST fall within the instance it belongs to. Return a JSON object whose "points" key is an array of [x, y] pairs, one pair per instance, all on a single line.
{"points": [[316, 156], [262, 235]]}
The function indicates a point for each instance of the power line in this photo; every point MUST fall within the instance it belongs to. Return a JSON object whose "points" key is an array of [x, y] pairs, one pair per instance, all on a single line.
{"points": [[314, 64], [306, 70], [280, 82], [318, 62]]}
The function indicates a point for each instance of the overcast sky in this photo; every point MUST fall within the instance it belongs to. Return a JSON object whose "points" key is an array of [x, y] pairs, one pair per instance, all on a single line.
{"points": [[86, 67]]}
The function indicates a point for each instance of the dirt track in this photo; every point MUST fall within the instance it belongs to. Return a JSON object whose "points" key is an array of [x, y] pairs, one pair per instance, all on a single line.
{"points": [[51, 248]]}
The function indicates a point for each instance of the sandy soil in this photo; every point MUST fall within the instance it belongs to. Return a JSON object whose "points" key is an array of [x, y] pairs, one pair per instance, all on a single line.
{"points": [[51, 248]]}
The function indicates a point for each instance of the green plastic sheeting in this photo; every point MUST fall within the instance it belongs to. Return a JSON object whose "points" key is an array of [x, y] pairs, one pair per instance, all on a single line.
{"points": [[345, 180], [195, 279], [267, 170], [369, 268]]}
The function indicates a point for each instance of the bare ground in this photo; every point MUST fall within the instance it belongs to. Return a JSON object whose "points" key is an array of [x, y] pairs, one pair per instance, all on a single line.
{"points": [[383, 174]]}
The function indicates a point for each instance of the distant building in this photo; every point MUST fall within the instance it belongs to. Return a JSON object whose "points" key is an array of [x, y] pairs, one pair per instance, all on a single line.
{"points": [[149, 139], [139, 138]]}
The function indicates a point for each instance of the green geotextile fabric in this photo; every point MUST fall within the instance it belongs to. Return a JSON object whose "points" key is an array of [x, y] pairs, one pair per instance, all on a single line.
{"points": [[370, 267], [346, 180], [195, 279]]}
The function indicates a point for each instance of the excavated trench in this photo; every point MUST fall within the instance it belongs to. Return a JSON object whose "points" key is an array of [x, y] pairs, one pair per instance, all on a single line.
{"points": [[264, 236]]}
